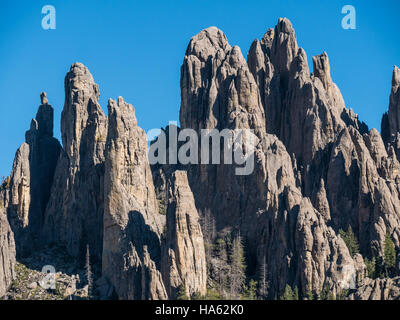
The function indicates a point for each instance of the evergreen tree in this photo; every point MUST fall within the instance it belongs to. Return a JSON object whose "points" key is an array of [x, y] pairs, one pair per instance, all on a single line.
{"points": [[237, 275], [389, 255], [287, 294], [181, 294], [309, 294], [221, 248], [351, 241], [344, 294], [88, 272], [296, 293], [251, 291], [209, 232], [212, 294], [326, 293], [370, 264], [197, 296], [263, 290]]}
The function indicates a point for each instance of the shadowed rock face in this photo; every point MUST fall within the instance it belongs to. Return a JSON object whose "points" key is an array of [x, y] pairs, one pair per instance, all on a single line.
{"points": [[31, 179], [132, 224], [74, 214], [141, 260], [184, 261], [391, 119]]}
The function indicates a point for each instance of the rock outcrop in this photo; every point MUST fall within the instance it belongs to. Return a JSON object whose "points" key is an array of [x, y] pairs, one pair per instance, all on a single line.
{"points": [[308, 169], [280, 226], [184, 261], [74, 213], [378, 289], [342, 167], [31, 179], [7, 253], [391, 120], [132, 223]]}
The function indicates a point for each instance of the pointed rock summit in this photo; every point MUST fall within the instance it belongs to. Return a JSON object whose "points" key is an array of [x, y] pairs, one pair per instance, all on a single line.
{"points": [[74, 213], [31, 179], [319, 211], [132, 224]]}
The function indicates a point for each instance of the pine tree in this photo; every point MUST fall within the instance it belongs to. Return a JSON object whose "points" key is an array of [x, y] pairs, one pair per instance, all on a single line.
{"points": [[197, 296], [350, 240], [181, 294], [209, 233], [326, 293], [237, 275], [296, 293], [287, 294], [88, 271], [389, 255], [309, 294], [251, 291], [370, 264], [263, 291]]}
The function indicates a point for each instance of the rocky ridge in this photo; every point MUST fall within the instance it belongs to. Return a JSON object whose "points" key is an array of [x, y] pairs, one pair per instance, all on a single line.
{"points": [[155, 232]]}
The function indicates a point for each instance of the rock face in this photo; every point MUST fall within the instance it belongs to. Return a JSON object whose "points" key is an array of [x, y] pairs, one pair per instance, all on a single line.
{"points": [[7, 253], [378, 289], [31, 179], [184, 256], [315, 170], [267, 206], [391, 119], [74, 214], [343, 168], [132, 224]]}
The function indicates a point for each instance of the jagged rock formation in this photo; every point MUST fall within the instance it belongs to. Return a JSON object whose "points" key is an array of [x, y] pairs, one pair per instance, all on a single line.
{"points": [[219, 91], [7, 253], [132, 224], [317, 169], [184, 261], [342, 166], [391, 119], [378, 289], [74, 213], [31, 179]]}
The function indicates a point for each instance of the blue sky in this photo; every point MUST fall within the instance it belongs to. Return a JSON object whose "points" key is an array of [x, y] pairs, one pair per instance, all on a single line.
{"points": [[135, 49]]}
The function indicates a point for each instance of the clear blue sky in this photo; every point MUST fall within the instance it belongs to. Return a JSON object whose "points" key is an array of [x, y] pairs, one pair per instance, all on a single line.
{"points": [[135, 49]]}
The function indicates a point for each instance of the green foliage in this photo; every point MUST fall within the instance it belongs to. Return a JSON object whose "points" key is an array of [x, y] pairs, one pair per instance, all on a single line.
{"points": [[5, 183], [296, 293], [389, 255], [88, 273], [237, 276], [351, 241], [288, 294], [250, 292], [181, 294], [100, 138], [344, 294], [326, 293], [371, 269], [220, 247], [212, 294], [162, 208], [309, 294], [197, 296]]}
